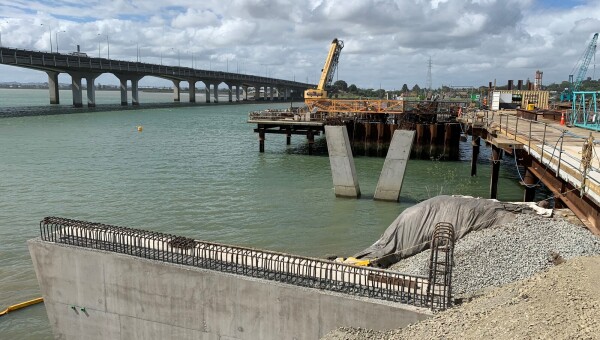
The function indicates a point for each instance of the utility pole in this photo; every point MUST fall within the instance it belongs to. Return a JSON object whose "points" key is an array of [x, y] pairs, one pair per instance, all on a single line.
{"points": [[429, 74]]}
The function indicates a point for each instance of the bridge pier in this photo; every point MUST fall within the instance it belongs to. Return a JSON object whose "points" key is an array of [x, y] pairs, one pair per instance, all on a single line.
{"points": [[53, 87], [76, 90], [192, 90], [176, 91], [216, 92], [135, 99], [237, 93], [256, 93], [230, 92], [123, 88], [206, 91], [91, 90], [286, 94], [245, 89]]}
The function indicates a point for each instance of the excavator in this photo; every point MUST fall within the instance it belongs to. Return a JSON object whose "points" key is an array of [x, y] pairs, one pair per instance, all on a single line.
{"points": [[326, 73]]}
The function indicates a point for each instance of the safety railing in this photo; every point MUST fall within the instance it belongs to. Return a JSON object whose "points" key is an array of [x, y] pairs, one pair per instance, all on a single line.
{"points": [[291, 269], [547, 143]]}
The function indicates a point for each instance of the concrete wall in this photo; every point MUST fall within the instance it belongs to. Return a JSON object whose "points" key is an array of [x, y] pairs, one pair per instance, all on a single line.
{"points": [[92, 294]]}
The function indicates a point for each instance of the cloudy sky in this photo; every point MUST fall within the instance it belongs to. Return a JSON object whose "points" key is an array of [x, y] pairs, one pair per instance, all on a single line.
{"points": [[387, 42]]}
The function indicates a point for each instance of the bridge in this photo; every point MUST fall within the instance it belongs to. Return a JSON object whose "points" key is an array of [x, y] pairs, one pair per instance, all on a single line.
{"points": [[83, 67]]}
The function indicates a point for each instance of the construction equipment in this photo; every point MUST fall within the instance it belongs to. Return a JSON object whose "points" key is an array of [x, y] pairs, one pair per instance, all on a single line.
{"points": [[327, 72], [583, 62]]}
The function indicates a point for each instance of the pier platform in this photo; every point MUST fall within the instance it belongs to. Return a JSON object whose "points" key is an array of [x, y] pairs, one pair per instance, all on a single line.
{"points": [[563, 158]]}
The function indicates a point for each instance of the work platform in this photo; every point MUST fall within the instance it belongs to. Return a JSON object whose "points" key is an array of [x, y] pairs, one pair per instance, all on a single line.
{"points": [[553, 154]]}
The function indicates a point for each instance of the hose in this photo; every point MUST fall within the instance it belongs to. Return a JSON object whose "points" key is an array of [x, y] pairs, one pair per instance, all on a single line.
{"points": [[21, 305]]}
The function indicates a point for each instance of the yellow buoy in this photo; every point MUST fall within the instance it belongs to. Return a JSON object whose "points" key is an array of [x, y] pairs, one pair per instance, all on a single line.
{"points": [[140, 128]]}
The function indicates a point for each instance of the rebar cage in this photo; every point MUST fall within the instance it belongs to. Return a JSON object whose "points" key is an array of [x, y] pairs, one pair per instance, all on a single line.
{"points": [[291, 269], [441, 261]]}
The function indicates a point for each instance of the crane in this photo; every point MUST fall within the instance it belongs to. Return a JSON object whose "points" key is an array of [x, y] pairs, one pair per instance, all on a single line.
{"points": [[327, 72], [585, 60]]}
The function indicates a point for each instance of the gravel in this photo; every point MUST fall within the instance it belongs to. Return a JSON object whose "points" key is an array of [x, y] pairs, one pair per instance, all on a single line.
{"points": [[509, 252], [535, 277], [560, 303]]}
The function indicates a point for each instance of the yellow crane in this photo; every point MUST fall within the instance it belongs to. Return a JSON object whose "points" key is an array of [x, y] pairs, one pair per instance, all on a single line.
{"points": [[327, 72], [316, 100]]}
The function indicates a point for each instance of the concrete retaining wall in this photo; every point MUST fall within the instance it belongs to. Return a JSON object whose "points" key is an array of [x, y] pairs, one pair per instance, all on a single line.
{"points": [[92, 294]]}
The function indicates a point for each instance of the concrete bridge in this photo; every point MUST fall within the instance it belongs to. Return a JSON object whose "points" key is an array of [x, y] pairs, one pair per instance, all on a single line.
{"points": [[83, 67]]}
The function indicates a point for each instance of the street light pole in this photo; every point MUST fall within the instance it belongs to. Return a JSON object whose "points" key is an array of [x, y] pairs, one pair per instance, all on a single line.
{"points": [[56, 35], [50, 33]]}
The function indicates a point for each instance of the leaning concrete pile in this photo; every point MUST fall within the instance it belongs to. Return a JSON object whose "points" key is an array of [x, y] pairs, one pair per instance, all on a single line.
{"points": [[509, 252]]}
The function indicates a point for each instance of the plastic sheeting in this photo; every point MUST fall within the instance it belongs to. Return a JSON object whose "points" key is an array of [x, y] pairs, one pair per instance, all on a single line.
{"points": [[412, 230]]}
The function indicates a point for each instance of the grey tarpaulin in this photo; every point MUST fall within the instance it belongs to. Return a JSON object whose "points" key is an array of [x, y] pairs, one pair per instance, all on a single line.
{"points": [[412, 230]]}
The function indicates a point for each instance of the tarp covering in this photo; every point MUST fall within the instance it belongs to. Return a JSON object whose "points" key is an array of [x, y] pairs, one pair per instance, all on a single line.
{"points": [[412, 230]]}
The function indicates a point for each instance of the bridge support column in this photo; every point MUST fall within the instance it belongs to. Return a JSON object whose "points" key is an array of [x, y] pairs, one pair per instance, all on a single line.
{"points": [[207, 92], [53, 87], [245, 89], [475, 154], [265, 94], [123, 88], [237, 93], [216, 93], [256, 93], [176, 91], [496, 157], [271, 93], [76, 89], [91, 90], [230, 91], [135, 93], [192, 90], [286, 94]]}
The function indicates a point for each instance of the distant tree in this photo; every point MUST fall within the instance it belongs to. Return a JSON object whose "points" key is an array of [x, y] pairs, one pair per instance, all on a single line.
{"points": [[352, 88], [341, 85], [416, 88], [404, 88]]}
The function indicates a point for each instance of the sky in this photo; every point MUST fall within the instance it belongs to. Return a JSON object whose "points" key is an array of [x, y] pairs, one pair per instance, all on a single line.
{"points": [[388, 43]]}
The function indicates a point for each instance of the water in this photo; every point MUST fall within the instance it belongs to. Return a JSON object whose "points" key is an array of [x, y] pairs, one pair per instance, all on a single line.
{"points": [[193, 171]]}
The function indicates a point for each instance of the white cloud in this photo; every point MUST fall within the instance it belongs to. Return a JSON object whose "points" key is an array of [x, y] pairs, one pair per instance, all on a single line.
{"points": [[387, 41]]}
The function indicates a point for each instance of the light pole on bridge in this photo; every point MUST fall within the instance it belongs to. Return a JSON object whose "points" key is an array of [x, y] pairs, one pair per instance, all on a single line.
{"points": [[56, 36], [6, 21], [50, 33], [107, 46]]}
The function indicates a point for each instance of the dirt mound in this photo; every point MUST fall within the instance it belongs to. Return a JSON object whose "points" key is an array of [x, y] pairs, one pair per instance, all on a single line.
{"points": [[560, 303]]}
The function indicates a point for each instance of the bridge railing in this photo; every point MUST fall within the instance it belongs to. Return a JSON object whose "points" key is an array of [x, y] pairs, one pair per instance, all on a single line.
{"points": [[291, 269], [44, 60]]}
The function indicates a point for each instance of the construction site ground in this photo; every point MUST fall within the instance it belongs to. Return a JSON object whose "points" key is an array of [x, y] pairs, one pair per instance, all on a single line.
{"points": [[560, 301]]}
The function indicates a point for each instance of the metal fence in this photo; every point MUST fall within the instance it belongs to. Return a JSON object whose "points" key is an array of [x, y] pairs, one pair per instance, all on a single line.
{"points": [[301, 271]]}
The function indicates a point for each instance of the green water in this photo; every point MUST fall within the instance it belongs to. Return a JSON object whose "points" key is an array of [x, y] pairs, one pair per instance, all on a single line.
{"points": [[193, 171]]}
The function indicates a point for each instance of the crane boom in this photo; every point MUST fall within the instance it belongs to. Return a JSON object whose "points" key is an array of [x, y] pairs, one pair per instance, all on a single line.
{"points": [[587, 58], [328, 71]]}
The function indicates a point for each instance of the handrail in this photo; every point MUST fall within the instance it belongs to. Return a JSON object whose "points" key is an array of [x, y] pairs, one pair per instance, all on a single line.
{"points": [[291, 269], [551, 148]]}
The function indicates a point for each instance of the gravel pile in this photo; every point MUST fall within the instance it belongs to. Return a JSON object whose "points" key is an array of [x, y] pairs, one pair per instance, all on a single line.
{"points": [[509, 252], [561, 303]]}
